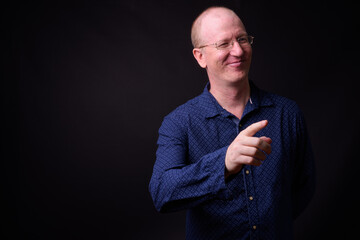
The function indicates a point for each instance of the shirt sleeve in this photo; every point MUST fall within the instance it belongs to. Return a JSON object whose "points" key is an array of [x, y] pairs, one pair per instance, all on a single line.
{"points": [[304, 171], [176, 184]]}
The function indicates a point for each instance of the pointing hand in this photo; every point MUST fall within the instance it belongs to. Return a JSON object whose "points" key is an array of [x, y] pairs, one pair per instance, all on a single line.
{"points": [[246, 149]]}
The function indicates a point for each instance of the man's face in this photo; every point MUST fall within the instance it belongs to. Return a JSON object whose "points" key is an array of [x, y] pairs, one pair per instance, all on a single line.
{"points": [[225, 65]]}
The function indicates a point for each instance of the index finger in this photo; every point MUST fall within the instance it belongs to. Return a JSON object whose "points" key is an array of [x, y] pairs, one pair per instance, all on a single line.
{"points": [[254, 128]]}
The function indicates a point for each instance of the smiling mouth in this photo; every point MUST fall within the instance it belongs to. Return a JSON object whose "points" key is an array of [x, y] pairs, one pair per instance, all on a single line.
{"points": [[236, 64]]}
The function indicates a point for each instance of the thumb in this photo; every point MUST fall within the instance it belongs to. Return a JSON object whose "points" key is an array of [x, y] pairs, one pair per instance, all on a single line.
{"points": [[266, 139], [254, 128]]}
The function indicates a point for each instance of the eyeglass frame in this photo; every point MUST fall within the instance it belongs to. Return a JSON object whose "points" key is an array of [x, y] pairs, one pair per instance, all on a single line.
{"points": [[249, 37]]}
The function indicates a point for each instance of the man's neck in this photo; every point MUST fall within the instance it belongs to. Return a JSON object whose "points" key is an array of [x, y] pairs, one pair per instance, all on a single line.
{"points": [[232, 97]]}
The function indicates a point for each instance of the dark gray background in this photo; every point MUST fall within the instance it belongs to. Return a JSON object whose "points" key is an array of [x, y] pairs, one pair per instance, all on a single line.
{"points": [[85, 87]]}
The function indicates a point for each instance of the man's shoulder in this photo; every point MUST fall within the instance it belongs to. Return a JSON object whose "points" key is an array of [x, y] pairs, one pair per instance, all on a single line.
{"points": [[190, 107], [283, 103], [179, 119]]}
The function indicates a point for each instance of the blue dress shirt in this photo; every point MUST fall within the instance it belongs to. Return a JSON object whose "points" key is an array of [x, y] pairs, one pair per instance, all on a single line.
{"points": [[258, 202]]}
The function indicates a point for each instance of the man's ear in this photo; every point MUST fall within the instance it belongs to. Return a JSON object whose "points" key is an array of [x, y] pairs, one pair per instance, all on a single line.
{"points": [[199, 56]]}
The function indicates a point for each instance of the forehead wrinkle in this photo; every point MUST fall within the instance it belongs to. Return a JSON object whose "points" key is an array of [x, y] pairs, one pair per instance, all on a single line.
{"points": [[219, 26]]}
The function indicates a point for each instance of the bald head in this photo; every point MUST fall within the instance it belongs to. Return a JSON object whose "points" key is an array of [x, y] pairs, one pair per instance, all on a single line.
{"points": [[207, 18]]}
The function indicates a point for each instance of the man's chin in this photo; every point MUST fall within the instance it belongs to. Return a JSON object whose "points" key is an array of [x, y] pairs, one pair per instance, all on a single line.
{"points": [[237, 76]]}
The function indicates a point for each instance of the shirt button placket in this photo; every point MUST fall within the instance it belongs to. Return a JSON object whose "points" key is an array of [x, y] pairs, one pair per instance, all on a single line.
{"points": [[249, 190], [253, 215]]}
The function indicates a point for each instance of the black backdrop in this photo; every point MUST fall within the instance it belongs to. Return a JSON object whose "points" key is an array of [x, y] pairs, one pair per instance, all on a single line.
{"points": [[85, 87]]}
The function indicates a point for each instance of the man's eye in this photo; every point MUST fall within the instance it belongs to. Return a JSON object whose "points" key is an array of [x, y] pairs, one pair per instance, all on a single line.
{"points": [[242, 40], [223, 45]]}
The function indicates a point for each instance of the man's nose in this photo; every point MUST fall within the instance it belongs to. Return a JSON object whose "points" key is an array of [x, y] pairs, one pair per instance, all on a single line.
{"points": [[236, 49]]}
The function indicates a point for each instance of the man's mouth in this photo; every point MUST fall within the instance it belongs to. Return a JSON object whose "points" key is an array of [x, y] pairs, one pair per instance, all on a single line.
{"points": [[236, 63]]}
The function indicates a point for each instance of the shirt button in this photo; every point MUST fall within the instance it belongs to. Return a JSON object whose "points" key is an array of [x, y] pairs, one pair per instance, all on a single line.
{"points": [[254, 227], [251, 198], [247, 171]]}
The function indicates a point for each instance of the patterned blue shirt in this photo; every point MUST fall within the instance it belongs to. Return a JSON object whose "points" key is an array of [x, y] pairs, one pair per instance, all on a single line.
{"points": [[258, 202]]}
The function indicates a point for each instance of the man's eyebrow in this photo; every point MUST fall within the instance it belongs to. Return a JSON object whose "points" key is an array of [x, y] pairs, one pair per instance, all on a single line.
{"points": [[243, 34]]}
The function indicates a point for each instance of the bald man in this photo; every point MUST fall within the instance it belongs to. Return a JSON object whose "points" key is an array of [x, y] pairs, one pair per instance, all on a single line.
{"points": [[237, 158]]}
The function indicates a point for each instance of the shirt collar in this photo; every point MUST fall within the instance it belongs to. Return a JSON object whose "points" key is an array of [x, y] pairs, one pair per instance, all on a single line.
{"points": [[212, 108]]}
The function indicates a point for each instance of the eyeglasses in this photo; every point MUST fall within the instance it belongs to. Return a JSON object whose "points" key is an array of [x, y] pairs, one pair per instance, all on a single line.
{"points": [[244, 41]]}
